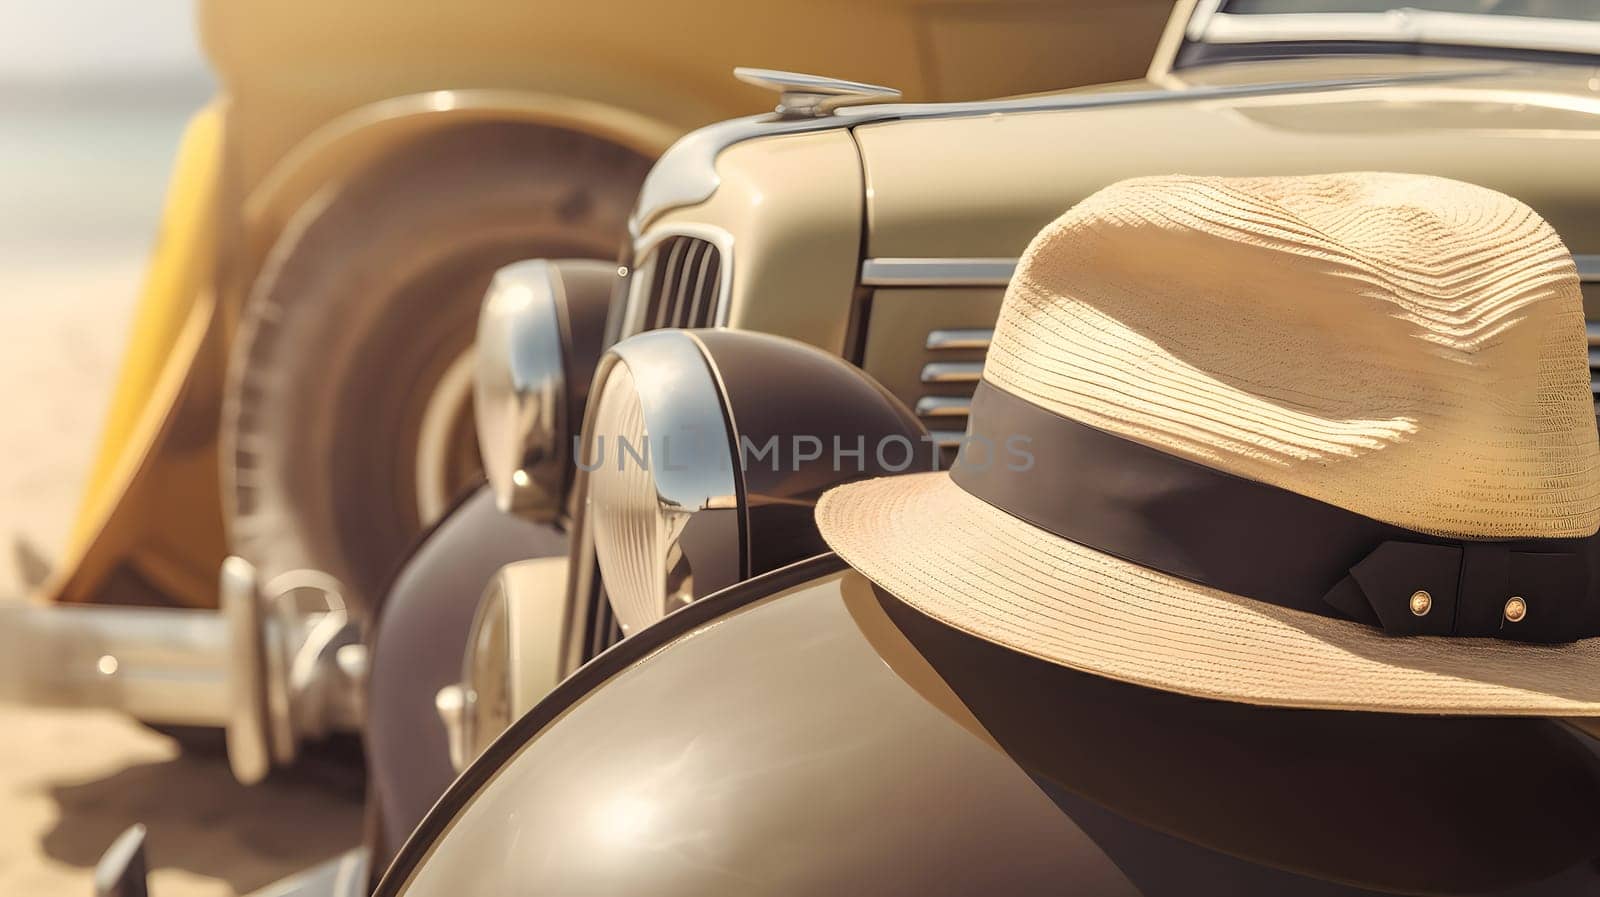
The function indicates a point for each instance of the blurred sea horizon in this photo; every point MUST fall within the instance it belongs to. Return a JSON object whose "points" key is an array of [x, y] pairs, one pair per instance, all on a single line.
{"points": [[84, 162]]}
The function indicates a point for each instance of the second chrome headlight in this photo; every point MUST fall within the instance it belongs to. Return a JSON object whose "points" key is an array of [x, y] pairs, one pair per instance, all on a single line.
{"points": [[539, 335]]}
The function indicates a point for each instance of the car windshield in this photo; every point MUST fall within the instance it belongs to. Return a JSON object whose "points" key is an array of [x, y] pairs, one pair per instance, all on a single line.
{"points": [[1539, 29], [1586, 10]]}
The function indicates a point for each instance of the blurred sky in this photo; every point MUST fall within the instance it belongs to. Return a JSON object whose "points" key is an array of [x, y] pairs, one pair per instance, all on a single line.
{"points": [[93, 97], [54, 39]]}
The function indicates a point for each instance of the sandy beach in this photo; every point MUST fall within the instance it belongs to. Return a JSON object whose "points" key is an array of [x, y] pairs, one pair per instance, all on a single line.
{"points": [[72, 251], [64, 322], [70, 781]]}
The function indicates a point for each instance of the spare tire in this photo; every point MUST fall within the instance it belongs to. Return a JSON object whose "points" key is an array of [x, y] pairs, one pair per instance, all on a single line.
{"points": [[356, 337]]}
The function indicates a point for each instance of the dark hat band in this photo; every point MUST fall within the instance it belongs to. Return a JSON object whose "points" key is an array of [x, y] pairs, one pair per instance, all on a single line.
{"points": [[1170, 514]]}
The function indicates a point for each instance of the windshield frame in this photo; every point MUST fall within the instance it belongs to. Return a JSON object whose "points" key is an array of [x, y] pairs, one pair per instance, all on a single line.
{"points": [[1224, 36]]}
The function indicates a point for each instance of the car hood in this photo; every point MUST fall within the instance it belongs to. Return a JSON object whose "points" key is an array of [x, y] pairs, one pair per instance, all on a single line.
{"points": [[981, 185]]}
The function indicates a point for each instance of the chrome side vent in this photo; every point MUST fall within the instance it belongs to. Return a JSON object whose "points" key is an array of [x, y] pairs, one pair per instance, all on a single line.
{"points": [[685, 284], [944, 410], [952, 372]]}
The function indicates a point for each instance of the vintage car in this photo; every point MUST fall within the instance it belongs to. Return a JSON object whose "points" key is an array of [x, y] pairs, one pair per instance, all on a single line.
{"points": [[884, 235], [297, 392]]}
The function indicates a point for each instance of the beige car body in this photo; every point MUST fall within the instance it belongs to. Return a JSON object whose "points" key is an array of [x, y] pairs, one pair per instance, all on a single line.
{"points": [[889, 238]]}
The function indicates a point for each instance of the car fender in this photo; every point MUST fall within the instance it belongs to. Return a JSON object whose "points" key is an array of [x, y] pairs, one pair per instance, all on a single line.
{"points": [[353, 141], [421, 632]]}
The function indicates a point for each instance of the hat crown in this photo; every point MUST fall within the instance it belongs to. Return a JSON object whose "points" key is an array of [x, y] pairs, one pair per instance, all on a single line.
{"points": [[1409, 348]]}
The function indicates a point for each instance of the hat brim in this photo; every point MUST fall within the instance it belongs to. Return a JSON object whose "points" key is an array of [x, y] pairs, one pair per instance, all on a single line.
{"points": [[975, 567]]}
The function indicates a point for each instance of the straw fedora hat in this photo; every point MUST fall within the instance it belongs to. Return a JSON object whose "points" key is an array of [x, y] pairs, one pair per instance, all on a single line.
{"points": [[1317, 442]]}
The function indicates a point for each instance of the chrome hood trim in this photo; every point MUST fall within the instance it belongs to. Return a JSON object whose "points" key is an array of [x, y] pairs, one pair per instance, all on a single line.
{"points": [[941, 272], [686, 174]]}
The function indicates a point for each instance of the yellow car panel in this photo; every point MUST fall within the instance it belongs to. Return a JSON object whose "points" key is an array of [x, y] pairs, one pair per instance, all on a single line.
{"points": [[134, 479]]}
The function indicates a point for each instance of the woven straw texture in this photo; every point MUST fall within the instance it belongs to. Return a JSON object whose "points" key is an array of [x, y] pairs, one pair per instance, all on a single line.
{"points": [[1409, 348]]}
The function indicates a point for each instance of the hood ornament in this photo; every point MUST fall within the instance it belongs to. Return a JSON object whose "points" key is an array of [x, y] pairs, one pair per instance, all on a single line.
{"points": [[813, 96]]}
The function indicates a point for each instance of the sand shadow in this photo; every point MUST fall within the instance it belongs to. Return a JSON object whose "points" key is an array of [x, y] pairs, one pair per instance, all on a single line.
{"points": [[204, 822]]}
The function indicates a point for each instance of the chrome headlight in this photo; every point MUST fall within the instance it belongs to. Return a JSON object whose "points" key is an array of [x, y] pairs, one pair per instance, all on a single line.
{"points": [[706, 451], [539, 335], [512, 656], [662, 494]]}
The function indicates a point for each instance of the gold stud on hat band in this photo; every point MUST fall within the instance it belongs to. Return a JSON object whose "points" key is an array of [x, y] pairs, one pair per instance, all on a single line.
{"points": [[1516, 609], [1421, 603]]}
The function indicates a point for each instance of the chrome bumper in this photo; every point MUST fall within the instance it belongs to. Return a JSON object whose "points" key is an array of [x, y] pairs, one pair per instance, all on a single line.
{"points": [[281, 662], [343, 876], [161, 666]]}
